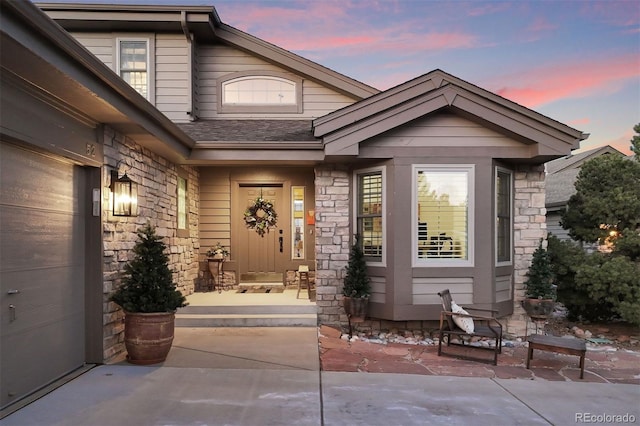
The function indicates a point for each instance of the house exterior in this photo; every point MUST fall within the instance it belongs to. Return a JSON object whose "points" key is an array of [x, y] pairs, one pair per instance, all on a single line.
{"points": [[561, 175], [443, 179]]}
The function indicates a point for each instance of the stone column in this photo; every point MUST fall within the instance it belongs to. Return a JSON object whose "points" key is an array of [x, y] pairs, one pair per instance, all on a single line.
{"points": [[333, 239], [529, 226]]}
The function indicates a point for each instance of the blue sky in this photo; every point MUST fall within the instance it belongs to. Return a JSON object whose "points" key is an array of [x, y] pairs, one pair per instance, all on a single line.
{"points": [[577, 62]]}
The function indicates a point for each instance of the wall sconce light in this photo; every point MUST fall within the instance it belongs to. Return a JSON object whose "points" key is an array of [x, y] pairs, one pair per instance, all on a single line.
{"points": [[124, 192]]}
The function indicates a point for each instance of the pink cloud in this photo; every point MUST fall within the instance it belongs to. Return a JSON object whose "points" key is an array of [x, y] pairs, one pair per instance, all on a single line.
{"points": [[621, 143], [579, 122], [550, 83], [312, 27]]}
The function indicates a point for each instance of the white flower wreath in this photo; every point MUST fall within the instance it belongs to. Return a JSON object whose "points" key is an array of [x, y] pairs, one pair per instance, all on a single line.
{"points": [[261, 216]]}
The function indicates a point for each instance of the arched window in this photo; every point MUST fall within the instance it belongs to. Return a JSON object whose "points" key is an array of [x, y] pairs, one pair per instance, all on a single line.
{"points": [[260, 93]]}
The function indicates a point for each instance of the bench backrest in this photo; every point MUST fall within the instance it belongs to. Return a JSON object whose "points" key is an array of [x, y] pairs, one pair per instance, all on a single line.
{"points": [[445, 297]]}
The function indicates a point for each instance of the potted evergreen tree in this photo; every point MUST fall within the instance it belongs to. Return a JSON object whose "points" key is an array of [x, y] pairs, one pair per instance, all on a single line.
{"points": [[356, 289], [540, 290], [150, 299]]}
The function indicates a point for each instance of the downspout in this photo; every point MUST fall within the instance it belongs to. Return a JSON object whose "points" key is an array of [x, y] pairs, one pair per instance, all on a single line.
{"points": [[187, 34]]}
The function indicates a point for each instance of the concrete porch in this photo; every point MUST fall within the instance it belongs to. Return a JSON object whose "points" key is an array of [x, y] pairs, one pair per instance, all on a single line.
{"points": [[229, 308]]}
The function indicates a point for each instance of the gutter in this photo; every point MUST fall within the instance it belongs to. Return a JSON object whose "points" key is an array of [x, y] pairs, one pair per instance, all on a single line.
{"points": [[187, 34]]}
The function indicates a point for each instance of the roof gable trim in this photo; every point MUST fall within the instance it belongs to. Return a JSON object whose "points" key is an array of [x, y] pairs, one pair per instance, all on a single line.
{"points": [[291, 61], [457, 98]]}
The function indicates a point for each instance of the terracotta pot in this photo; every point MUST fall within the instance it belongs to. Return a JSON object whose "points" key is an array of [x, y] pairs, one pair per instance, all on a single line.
{"points": [[148, 337], [539, 308], [355, 307]]}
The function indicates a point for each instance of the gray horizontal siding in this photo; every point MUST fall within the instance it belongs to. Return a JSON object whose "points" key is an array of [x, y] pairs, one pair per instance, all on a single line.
{"points": [[100, 45], [443, 130], [215, 62], [425, 290], [553, 226], [378, 289], [215, 208], [503, 288], [173, 76]]}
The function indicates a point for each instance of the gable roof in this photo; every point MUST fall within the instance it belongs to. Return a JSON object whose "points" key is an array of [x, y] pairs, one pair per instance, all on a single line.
{"points": [[203, 23], [563, 172], [576, 160], [434, 91]]}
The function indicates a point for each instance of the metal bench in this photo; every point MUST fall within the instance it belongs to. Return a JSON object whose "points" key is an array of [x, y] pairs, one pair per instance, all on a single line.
{"points": [[558, 344]]}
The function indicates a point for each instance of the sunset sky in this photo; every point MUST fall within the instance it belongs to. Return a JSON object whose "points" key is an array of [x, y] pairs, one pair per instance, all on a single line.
{"points": [[577, 62]]}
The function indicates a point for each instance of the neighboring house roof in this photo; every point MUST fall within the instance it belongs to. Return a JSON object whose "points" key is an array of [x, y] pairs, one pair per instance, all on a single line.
{"points": [[343, 130], [41, 53], [576, 160], [559, 187], [563, 172], [202, 22]]}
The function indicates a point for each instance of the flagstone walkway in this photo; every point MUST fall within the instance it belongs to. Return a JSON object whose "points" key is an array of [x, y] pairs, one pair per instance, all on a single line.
{"points": [[602, 364]]}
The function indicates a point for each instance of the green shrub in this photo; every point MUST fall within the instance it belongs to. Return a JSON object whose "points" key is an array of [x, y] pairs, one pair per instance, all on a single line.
{"points": [[628, 244], [356, 282], [615, 281], [148, 284], [566, 258], [539, 284]]}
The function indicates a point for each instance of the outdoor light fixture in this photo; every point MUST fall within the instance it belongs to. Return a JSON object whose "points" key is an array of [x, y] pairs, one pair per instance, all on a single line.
{"points": [[124, 193]]}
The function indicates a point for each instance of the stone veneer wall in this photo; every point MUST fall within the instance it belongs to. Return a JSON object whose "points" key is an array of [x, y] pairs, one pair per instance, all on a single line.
{"points": [[529, 226], [333, 240], [157, 203]]}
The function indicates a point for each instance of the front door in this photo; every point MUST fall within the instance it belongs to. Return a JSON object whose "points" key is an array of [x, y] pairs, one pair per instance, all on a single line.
{"points": [[263, 257]]}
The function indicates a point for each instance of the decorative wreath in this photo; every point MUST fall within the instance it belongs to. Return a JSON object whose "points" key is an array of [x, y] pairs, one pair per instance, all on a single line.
{"points": [[261, 216]]}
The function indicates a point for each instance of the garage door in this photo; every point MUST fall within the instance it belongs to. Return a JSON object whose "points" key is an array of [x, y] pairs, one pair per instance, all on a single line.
{"points": [[41, 270]]}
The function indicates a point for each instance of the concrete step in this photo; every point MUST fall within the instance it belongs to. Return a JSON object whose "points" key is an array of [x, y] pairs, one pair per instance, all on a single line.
{"points": [[248, 316], [247, 320]]}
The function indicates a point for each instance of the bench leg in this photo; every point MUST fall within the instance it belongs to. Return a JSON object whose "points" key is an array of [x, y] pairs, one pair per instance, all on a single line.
{"points": [[529, 356], [582, 366]]}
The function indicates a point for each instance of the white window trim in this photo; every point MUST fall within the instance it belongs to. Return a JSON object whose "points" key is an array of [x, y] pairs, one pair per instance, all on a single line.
{"points": [[182, 232], [383, 170], [151, 69], [495, 233], [439, 263], [304, 225], [296, 108]]}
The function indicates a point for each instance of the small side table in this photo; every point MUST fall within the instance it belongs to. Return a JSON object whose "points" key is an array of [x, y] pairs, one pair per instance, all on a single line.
{"points": [[560, 345]]}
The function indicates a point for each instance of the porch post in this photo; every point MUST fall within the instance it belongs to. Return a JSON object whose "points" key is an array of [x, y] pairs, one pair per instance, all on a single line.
{"points": [[529, 225], [333, 238]]}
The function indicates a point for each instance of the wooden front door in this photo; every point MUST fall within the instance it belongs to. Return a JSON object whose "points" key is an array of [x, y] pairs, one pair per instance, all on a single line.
{"points": [[263, 255]]}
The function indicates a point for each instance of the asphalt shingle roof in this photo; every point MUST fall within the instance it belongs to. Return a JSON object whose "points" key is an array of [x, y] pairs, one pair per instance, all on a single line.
{"points": [[249, 130]]}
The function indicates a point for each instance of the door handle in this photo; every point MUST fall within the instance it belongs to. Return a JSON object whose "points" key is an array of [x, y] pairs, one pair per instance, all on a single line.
{"points": [[281, 241]]}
